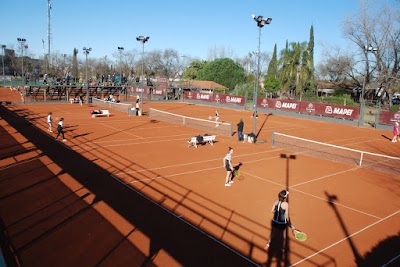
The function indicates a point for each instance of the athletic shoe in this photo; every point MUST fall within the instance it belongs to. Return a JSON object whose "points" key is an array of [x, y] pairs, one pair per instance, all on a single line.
{"points": [[64, 140], [228, 184], [51, 131], [266, 248], [394, 141], [231, 182]]}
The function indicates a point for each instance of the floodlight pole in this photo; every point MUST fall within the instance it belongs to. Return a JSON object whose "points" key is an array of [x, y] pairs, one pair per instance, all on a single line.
{"points": [[86, 51], [3, 48], [261, 21], [120, 49], [367, 49], [22, 41], [143, 40]]}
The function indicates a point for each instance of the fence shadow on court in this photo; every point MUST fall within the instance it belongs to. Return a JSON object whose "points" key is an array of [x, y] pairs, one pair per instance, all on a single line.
{"points": [[165, 230], [385, 253]]}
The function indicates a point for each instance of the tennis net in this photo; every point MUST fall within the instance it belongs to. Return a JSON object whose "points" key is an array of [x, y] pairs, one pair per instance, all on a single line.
{"points": [[222, 128], [112, 105], [378, 162]]}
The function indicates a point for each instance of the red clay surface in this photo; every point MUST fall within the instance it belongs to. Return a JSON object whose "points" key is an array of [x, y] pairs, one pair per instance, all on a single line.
{"points": [[69, 204]]}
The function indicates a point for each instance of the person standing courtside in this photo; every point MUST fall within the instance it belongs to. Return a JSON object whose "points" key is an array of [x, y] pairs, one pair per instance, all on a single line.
{"points": [[240, 127], [228, 167], [60, 130], [50, 121]]}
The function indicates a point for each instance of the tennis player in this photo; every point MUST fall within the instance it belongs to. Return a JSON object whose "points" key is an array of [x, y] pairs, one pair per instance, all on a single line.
{"points": [[50, 121], [395, 132], [228, 166], [216, 118], [280, 220], [60, 127]]}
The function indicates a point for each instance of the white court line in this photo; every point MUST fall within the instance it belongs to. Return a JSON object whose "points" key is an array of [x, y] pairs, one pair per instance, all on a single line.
{"points": [[179, 217], [392, 260], [123, 131], [340, 205], [201, 161], [347, 237], [326, 176], [131, 139]]}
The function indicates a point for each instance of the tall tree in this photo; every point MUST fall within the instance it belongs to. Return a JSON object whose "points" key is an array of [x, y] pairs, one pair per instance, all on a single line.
{"points": [[379, 29], [271, 81], [224, 71], [75, 69], [310, 63]]}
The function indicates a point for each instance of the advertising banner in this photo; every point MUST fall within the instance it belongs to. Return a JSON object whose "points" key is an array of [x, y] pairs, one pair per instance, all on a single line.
{"points": [[387, 117], [311, 108], [216, 98]]}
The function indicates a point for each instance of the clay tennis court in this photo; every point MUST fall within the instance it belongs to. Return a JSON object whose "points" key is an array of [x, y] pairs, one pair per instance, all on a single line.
{"points": [[127, 191]]}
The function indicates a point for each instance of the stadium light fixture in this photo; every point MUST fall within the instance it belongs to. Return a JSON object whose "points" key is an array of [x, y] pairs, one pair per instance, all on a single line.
{"points": [[22, 41], [367, 49], [3, 48], [86, 51], [261, 21], [143, 40]]}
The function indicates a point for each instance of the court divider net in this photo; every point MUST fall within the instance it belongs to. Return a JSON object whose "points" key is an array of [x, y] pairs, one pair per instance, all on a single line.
{"points": [[112, 105], [377, 162], [209, 126]]}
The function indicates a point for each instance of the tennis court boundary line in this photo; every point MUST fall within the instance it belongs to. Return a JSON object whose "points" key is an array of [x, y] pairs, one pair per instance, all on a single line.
{"points": [[340, 205], [179, 217], [347, 237]]}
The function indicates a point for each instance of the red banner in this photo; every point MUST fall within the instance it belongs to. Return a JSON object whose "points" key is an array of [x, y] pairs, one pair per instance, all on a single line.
{"points": [[387, 117], [136, 90], [310, 108], [217, 98]]}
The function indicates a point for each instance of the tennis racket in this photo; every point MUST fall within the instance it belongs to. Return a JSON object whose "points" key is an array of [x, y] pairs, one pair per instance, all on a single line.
{"points": [[299, 235]]}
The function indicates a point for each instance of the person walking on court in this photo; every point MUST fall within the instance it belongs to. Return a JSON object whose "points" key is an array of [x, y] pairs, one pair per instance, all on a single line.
{"points": [[395, 132], [80, 99], [50, 121], [60, 130], [228, 166], [240, 126], [280, 219]]}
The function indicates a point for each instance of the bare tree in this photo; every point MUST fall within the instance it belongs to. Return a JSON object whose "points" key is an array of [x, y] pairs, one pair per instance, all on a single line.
{"points": [[219, 52], [379, 29]]}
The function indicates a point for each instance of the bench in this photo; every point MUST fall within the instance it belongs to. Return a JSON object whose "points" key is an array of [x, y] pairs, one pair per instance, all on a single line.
{"points": [[206, 139], [104, 113]]}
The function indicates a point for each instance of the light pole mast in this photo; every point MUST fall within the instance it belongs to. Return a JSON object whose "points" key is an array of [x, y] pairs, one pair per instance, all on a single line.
{"points": [[48, 31], [367, 49], [3, 48], [86, 51], [143, 40], [120, 49], [261, 21], [22, 41]]}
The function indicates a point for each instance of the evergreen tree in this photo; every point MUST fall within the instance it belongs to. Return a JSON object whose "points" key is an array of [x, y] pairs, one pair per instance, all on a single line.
{"points": [[75, 70], [273, 65], [224, 71], [310, 64]]}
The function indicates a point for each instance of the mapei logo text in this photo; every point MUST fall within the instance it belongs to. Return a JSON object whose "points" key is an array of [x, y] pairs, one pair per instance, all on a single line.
{"points": [[339, 111], [203, 96], [232, 99], [287, 105]]}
